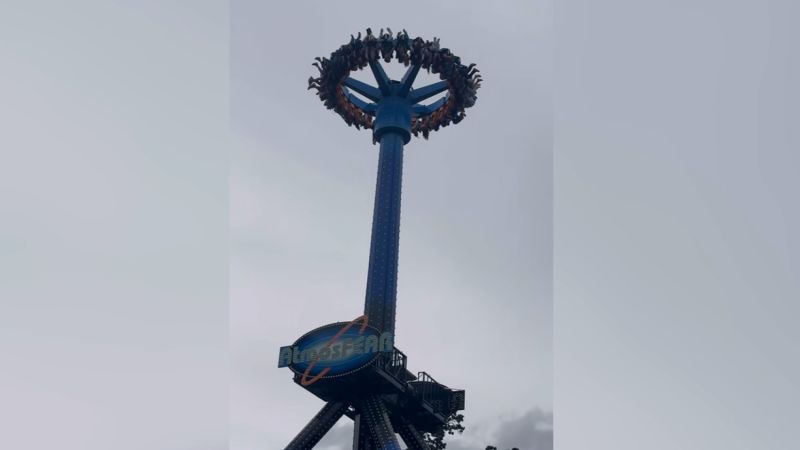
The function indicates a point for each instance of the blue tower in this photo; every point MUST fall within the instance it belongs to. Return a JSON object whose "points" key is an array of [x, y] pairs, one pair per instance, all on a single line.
{"points": [[354, 366]]}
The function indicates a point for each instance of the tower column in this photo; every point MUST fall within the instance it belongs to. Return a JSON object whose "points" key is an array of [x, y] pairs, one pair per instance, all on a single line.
{"points": [[381, 295]]}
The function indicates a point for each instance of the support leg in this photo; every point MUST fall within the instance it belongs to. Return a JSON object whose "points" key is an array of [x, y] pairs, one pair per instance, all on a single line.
{"points": [[361, 437], [310, 435], [378, 422], [411, 436]]}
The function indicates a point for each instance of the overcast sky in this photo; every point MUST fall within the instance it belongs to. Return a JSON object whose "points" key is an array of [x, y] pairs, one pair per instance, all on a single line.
{"points": [[475, 277], [675, 279]]}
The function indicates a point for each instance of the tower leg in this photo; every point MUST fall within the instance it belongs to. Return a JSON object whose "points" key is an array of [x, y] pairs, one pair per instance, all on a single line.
{"points": [[378, 422], [411, 436], [310, 435], [361, 437]]}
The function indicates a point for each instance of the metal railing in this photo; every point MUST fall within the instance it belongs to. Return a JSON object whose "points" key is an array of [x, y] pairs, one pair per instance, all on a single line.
{"points": [[394, 363], [431, 392], [437, 396]]}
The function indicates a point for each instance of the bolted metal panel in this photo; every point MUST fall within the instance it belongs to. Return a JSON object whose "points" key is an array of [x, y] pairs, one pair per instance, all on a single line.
{"points": [[381, 296], [393, 116], [380, 427], [311, 434], [457, 400], [361, 437]]}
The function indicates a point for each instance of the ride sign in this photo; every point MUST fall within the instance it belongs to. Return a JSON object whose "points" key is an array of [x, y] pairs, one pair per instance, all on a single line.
{"points": [[335, 350]]}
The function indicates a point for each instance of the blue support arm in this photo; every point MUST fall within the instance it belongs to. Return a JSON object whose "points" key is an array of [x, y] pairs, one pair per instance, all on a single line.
{"points": [[417, 95], [424, 110], [408, 80], [380, 77], [366, 107], [364, 89]]}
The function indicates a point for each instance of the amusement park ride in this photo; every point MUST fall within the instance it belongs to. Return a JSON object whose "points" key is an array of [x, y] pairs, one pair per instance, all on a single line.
{"points": [[353, 366]]}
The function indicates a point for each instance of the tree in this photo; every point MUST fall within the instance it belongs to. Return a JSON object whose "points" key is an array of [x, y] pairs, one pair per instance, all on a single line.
{"points": [[453, 425], [435, 440]]}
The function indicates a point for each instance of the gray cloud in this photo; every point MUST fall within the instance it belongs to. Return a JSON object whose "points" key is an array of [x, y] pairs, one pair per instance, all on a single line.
{"points": [[532, 430], [339, 438]]}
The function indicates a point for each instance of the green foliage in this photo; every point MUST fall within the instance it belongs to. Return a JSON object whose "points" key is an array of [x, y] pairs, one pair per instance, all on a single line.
{"points": [[454, 425]]}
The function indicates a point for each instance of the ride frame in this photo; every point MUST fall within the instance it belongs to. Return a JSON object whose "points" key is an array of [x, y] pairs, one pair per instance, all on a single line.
{"points": [[385, 398]]}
